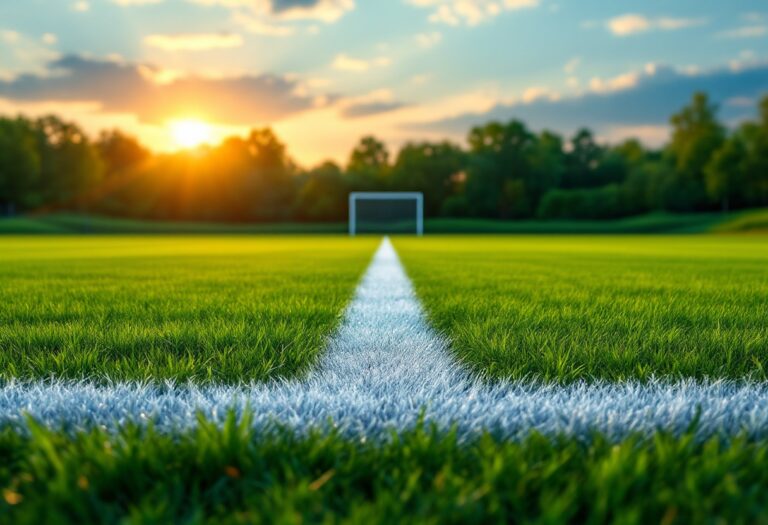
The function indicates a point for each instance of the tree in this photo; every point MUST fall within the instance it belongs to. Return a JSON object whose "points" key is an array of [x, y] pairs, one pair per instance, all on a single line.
{"points": [[582, 161], [724, 173], [70, 164], [499, 170], [696, 135], [429, 168], [755, 177], [547, 165], [323, 194], [19, 166], [119, 152], [368, 166]]}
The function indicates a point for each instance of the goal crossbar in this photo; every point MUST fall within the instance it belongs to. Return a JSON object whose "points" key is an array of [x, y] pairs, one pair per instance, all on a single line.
{"points": [[355, 196]]}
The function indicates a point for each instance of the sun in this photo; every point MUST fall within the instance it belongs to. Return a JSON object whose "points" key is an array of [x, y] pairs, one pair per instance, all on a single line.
{"points": [[190, 133]]}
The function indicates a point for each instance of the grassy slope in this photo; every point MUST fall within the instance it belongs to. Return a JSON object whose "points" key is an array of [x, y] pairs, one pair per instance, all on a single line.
{"points": [[211, 309], [753, 221], [75, 223], [652, 223], [230, 475], [567, 308]]}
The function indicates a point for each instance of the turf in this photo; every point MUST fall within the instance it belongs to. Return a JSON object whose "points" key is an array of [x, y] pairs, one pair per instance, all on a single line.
{"points": [[570, 308], [223, 309], [231, 475]]}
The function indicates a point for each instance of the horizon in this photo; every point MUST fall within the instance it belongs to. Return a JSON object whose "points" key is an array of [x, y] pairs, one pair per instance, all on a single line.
{"points": [[431, 70]]}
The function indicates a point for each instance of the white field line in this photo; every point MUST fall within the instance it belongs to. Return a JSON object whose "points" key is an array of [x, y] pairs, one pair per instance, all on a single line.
{"points": [[383, 370]]}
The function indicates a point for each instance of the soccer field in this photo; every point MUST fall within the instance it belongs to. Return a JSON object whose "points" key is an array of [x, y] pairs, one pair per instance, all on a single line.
{"points": [[546, 379], [209, 309], [570, 308]]}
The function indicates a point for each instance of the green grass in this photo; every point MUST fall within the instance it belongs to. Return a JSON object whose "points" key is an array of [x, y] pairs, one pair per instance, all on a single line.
{"points": [[219, 309], [230, 475], [569, 308], [651, 223], [751, 221], [61, 223], [73, 223]]}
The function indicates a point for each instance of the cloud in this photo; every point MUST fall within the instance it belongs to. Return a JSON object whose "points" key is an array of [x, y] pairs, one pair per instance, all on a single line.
{"points": [[428, 40], [121, 87], [469, 12], [374, 103], [635, 100], [753, 31], [632, 24], [372, 108], [9, 36], [572, 65], [259, 26], [23, 53], [323, 10], [344, 62], [126, 3], [81, 6], [194, 41]]}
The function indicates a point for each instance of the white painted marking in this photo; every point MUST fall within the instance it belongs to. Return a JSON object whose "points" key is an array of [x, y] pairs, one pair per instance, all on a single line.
{"points": [[384, 369]]}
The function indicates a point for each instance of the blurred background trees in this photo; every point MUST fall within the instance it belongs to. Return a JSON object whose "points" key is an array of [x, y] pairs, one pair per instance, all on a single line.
{"points": [[507, 171]]}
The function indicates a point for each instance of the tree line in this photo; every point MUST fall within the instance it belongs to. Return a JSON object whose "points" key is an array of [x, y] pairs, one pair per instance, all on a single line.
{"points": [[506, 171]]}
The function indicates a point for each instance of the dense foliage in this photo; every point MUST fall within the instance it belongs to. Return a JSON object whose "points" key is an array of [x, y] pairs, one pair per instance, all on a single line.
{"points": [[506, 172]]}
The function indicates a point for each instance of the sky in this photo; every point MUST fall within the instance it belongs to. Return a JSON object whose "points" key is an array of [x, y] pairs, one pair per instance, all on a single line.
{"points": [[323, 73]]}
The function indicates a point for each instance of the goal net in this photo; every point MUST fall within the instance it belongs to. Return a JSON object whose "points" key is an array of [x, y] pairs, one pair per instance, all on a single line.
{"points": [[386, 212]]}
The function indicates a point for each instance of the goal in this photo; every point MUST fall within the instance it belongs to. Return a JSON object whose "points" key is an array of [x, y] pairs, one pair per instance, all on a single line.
{"points": [[386, 212]]}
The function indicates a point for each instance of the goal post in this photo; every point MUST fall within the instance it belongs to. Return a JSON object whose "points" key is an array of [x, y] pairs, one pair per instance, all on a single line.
{"points": [[387, 205]]}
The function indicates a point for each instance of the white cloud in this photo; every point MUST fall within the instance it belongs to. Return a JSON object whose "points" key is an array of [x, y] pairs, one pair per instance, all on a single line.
{"points": [[194, 41], [344, 62], [126, 3], [23, 54], [427, 40], [534, 93], [618, 83], [632, 24], [259, 26], [469, 12], [327, 11], [49, 39], [622, 82], [9, 36], [572, 65], [755, 31]]}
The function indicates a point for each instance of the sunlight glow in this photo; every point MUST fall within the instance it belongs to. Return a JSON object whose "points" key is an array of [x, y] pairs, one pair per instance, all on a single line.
{"points": [[190, 133]]}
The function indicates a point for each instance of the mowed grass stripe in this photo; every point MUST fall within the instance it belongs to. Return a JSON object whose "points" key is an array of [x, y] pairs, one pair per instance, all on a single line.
{"points": [[208, 309], [564, 309]]}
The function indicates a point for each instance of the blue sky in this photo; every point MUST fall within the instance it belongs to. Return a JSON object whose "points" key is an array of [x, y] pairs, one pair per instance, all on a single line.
{"points": [[325, 72]]}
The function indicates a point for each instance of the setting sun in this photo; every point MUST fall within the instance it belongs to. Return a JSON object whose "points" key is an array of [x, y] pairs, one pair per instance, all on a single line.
{"points": [[190, 133]]}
